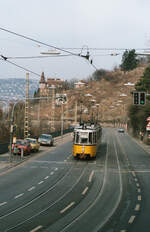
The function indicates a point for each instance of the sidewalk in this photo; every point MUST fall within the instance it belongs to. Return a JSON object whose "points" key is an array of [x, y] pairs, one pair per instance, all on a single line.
{"points": [[5, 163], [141, 143]]}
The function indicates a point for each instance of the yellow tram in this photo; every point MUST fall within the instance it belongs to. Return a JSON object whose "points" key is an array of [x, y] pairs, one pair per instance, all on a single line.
{"points": [[86, 140]]}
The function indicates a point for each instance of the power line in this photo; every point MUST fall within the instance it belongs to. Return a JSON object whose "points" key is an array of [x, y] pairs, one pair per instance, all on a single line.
{"points": [[25, 69], [36, 57], [37, 41], [108, 49], [48, 45]]}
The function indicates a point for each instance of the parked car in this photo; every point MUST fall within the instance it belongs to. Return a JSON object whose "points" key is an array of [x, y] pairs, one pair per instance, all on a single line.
{"points": [[19, 145], [46, 139], [34, 144]]}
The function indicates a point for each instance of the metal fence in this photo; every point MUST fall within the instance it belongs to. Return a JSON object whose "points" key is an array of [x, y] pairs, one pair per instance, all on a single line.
{"points": [[3, 148], [58, 133]]}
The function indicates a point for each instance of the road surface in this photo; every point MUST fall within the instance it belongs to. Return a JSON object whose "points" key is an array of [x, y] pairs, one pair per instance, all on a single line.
{"points": [[54, 192]]}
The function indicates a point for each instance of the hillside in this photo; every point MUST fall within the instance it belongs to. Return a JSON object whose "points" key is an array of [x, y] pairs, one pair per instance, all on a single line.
{"points": [[113, 96]]}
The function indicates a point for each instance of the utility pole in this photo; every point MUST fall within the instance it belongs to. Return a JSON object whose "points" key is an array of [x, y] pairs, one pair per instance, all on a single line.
{"points": [[76, 113], [62, 120], [53, 107], [26, 117]]}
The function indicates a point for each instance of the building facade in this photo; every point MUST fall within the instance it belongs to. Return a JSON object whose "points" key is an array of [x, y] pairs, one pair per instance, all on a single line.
{"points": [[46, 85]]}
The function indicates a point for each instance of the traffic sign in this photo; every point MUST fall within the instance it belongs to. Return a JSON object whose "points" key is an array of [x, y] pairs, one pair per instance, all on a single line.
{"points": [[148, 128], [148, 124], [148, 119]]}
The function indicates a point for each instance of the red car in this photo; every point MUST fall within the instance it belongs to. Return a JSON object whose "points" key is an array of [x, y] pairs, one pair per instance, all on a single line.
{"points": [[19, 145]]}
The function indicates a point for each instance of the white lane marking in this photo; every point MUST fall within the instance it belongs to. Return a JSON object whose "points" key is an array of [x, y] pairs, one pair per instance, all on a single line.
{"points": [[131, 219], [139, 190], [65, 160], [44, 167], [136, 179], [46, 177], [67, 207], [85, 190], [137, 184], [92, 162], [51, 173], [122, 230], [91, 175], [137, 208], [144, 171], [4, 203], [20, 195], [39, 196], [41, 182], [100, 194], [36, 229], [49, 162], [133, 173], [56, 169], [30, 189], [139, 197]]}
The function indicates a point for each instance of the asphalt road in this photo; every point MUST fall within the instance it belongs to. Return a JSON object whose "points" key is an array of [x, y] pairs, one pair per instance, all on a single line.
{"points": [[54, 192]]}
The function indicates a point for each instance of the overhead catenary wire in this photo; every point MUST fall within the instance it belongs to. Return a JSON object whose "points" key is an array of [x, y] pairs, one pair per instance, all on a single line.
{"points": [[48, 45], [19, 66], [108, 49], [41, 57], [39, 42], [36, 57]]}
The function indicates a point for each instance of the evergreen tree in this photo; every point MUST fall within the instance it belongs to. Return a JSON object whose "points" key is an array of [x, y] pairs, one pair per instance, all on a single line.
{"points": [[129, 60], [144, 83], [138, 114]]}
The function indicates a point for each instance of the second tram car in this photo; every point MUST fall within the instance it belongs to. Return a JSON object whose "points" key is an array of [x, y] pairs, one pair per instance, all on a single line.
{"points": [[86, 140]]}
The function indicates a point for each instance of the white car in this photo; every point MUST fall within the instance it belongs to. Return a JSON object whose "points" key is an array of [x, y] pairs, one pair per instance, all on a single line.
{"points": [[46, 139], [121, 130]]}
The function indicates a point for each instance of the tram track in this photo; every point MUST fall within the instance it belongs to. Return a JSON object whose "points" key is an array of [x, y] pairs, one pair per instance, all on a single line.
{"points": [[49, 206], [70, 226]]}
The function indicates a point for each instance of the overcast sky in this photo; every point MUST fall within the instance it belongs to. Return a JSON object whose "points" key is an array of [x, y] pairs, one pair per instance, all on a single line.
{"points": [[71, 23]]}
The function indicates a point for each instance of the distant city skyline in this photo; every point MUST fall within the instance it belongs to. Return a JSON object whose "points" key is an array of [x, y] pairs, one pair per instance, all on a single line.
{"points": [[12, 89]]}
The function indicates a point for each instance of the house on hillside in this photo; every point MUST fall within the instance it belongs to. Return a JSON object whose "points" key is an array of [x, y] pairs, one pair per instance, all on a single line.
{"points": [[80, 84], [46, 85]]}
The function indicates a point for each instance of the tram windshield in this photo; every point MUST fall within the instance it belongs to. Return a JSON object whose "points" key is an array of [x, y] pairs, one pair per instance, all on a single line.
{"points": [[85, 137]]}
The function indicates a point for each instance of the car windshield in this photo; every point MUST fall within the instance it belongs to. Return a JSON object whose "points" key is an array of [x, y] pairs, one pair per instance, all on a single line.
{"points": [[21, 142], [45, 137], [32, 141]]}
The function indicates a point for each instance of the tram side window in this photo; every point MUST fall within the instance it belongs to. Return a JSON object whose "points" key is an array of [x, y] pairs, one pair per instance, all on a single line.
{"points": [[94, 139], [77, 137], [74, 136], [90, 138]]}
